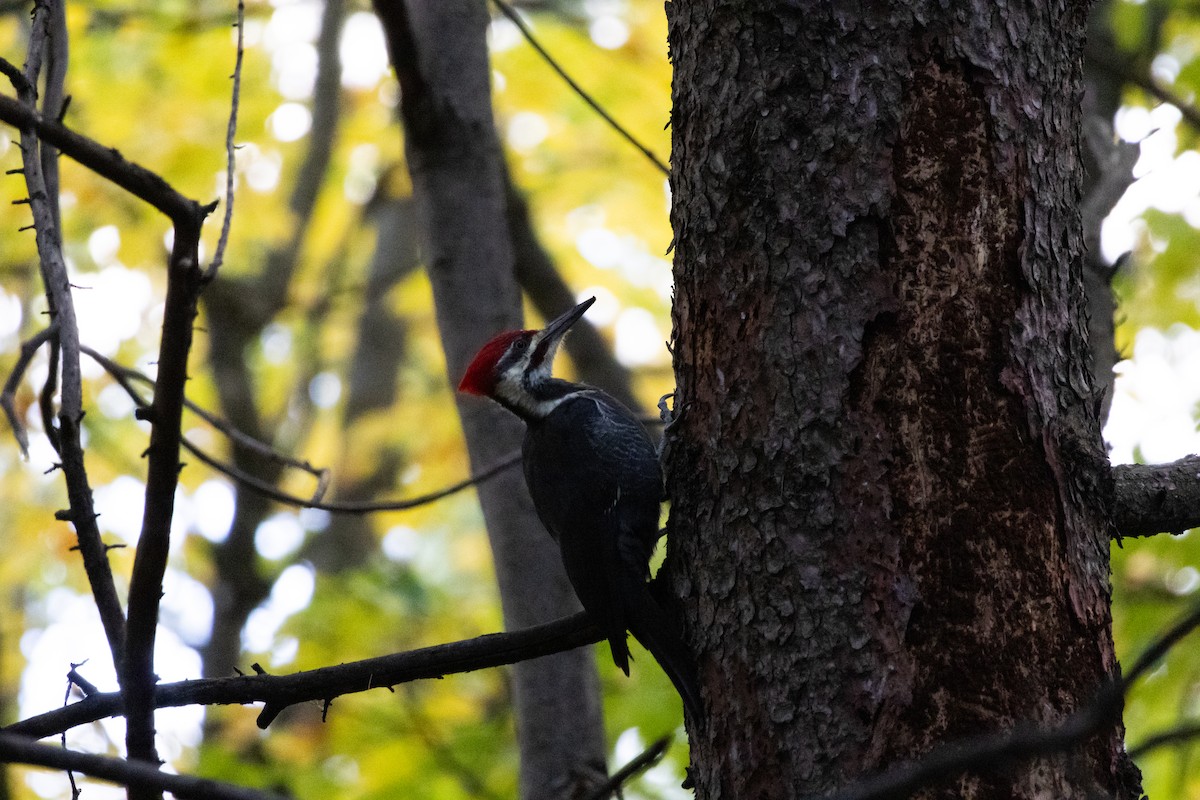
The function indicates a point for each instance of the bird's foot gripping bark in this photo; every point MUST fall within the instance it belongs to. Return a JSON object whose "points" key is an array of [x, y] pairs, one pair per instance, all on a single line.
{"points": [[670, 416]]}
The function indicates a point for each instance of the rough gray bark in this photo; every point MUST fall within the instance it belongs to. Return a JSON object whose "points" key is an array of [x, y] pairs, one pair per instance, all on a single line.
{"points": [[890, 509], [440, 55]]}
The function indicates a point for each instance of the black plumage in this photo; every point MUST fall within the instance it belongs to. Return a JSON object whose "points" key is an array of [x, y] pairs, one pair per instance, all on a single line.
{"points": [[594, 477]]}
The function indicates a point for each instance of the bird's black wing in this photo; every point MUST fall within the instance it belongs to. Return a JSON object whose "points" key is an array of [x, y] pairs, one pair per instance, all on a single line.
{"points": [[593, 475]]}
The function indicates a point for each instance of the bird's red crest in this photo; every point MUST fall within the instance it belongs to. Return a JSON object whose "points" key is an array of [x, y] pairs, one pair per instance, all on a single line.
{"points": [[480, 377]]}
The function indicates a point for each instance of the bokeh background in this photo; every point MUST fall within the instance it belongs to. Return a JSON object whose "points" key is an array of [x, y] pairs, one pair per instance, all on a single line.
{"points": [[340, 365]]}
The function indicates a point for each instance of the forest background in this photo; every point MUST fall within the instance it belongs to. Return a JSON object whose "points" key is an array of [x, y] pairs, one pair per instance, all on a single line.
{"points": [[346, 373]]}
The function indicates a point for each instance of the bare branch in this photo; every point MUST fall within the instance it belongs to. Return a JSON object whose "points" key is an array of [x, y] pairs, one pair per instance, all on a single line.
{"points": [[230, 161], [123, 375], [637, 765], [356, 506], [515, 18], [54, 103], [62, 312], [106, 162], [46, 396], [14, 380], [280, 691], [1179, 735], [1133, 76], [185, 279], [16, 749], [1163, 498]]}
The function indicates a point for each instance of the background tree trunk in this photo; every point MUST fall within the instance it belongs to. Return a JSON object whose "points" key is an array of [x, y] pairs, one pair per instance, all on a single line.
{"points": [[440, 55], [888, 484]]}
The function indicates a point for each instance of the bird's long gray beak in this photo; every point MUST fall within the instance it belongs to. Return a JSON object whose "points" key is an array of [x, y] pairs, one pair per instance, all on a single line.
{"points": [[558, 327]]}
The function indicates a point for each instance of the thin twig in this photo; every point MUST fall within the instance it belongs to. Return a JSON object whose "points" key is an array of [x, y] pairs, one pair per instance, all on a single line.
{"points": [[230, 162], [267, 489], [7, 397], [1146, 83], [1179, 735], [367, 507], [123, 374], [70, 774], [515, 17], [637, 765]]}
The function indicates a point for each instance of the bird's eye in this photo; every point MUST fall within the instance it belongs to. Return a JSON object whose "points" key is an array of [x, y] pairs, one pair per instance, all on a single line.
{"points": [[521, 344]]}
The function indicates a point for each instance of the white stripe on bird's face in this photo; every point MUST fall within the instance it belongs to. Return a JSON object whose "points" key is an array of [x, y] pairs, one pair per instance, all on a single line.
{"points": [[516, 384]]}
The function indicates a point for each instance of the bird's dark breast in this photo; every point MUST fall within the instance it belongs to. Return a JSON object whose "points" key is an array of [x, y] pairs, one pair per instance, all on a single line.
{"points": [[593, 474]]}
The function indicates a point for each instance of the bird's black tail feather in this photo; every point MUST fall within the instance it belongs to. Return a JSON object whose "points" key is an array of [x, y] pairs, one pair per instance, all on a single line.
{"points": [[657, 632]]}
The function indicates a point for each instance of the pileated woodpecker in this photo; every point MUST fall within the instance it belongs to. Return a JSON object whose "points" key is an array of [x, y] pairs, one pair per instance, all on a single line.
{"points": [[594, 477]]}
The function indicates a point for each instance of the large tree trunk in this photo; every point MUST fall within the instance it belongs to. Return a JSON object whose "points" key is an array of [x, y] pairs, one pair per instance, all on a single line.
{"points": [[440, 55], [888, 484]]}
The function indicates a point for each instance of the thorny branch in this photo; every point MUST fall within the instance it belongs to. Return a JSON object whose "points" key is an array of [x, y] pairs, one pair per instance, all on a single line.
{"points": [[16, 749], [324, 684], [106, 162], [43, 206], [132, 641], [361, 506], [185, 279], [515, 18]]}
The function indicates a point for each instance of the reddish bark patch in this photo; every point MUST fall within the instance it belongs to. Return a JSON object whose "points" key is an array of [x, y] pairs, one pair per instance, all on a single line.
{"points": [[981, 533]]}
